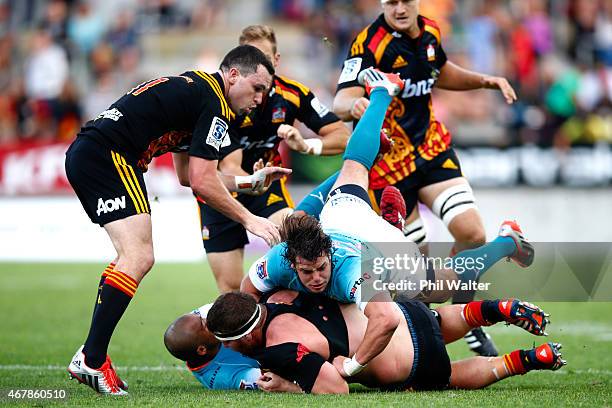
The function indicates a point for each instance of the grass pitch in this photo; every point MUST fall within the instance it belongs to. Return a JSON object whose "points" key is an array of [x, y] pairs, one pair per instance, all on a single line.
{"points": [[46, 310]]}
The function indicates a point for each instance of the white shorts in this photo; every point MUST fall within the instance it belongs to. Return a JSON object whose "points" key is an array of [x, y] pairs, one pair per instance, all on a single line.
{"points": [[349, 215]]}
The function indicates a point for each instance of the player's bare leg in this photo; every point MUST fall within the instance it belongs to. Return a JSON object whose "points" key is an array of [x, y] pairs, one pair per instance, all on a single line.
{"points": [[478, 372], [227, 268], [466, 226], [132, 239], [453, 202]]}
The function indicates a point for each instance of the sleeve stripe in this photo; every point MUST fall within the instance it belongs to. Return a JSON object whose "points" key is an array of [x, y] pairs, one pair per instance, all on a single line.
{"points": [[217, 90], [213, 82], [301, 87], [434, 31], [230, 113]]}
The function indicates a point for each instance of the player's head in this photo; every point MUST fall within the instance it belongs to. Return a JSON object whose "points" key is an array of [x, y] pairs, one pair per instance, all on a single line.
{"points": [[248, 73], [308, 251], [188, 339], [236, 319], [262, 37], [401, 15]]}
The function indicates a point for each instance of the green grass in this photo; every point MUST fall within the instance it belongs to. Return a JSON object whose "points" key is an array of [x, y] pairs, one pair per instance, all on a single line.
{"points": [[46, 310]]}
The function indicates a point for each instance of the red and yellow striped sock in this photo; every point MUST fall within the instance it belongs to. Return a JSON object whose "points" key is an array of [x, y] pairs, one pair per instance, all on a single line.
{"points": [[514, 362], [109, 268], [122, 281], [472, 314]]}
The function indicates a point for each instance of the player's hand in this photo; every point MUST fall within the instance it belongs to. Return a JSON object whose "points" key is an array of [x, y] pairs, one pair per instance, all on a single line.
{"points": [[339, 364], [263, 228], [359, 107], [503, 85], [263, 178], [292, 137], [270, 382], [259, 164]]}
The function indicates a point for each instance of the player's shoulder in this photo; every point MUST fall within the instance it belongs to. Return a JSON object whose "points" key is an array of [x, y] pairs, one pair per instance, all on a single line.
{"points": [[291, 84], [289, 90], [213, 88], [430, 28], [369, 38]]}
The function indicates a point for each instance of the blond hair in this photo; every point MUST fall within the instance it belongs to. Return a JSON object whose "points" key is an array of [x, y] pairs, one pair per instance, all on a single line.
{"points": [[258, 32]]}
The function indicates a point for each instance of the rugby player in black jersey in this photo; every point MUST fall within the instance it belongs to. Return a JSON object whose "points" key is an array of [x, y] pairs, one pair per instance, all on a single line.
{"points": [[422, 163], [306, 339], [255, 137], [105, 165]]}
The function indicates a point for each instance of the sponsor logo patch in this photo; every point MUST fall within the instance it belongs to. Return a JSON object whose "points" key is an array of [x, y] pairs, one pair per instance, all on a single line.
{"points": [[278, 114], [106, 206], [399, 62], [262, 270], [217, 134], [321, 109], [350, 70], [112, 114], [431, 53], [272, 199]]}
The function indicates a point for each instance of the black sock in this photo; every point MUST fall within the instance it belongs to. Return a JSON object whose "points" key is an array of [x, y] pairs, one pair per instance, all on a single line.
{"points": [[113, 303], [490, 311]]}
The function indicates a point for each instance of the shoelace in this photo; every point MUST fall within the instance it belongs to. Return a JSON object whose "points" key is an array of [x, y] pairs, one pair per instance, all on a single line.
{"points": [[110, 376]]}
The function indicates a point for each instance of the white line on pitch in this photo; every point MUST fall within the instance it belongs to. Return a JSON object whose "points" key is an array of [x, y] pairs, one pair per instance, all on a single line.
{"points": [[25, 367]]}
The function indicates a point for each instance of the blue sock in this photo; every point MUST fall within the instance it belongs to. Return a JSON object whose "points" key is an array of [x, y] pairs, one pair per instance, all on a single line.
{"points": [[364, 143], [313, 203], [471, 264]]}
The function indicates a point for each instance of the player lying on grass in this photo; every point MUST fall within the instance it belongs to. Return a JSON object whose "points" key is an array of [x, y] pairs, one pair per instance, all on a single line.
{"points": [[215, 366], [307, 341], [325, 257]]}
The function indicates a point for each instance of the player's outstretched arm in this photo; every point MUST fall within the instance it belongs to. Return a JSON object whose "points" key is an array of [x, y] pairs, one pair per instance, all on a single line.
{"points": [[333, 139], [455, 78], [350, 103], [334, 136]]}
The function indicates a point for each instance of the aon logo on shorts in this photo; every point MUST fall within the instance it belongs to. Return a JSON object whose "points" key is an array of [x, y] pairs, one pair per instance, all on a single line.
{"points": [[418, 88], [111, 205]]}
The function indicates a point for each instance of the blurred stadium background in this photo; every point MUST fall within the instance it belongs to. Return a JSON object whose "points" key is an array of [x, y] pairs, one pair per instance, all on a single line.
{"points": [[545, 161]]}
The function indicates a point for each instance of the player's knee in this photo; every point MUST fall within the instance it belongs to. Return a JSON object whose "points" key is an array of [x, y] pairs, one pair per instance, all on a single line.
{"points": [[142, 264], [473, 237], [453, 202]]}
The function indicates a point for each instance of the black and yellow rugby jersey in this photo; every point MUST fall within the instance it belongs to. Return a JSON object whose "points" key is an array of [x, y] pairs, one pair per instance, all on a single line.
{"points": [[287, 101], [175, 113], [410, 119]]}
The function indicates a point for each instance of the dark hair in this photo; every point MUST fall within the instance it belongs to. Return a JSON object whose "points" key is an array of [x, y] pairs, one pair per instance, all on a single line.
{"points": [[230, 312], [304, 238], [258, 32], [246, 59]]}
